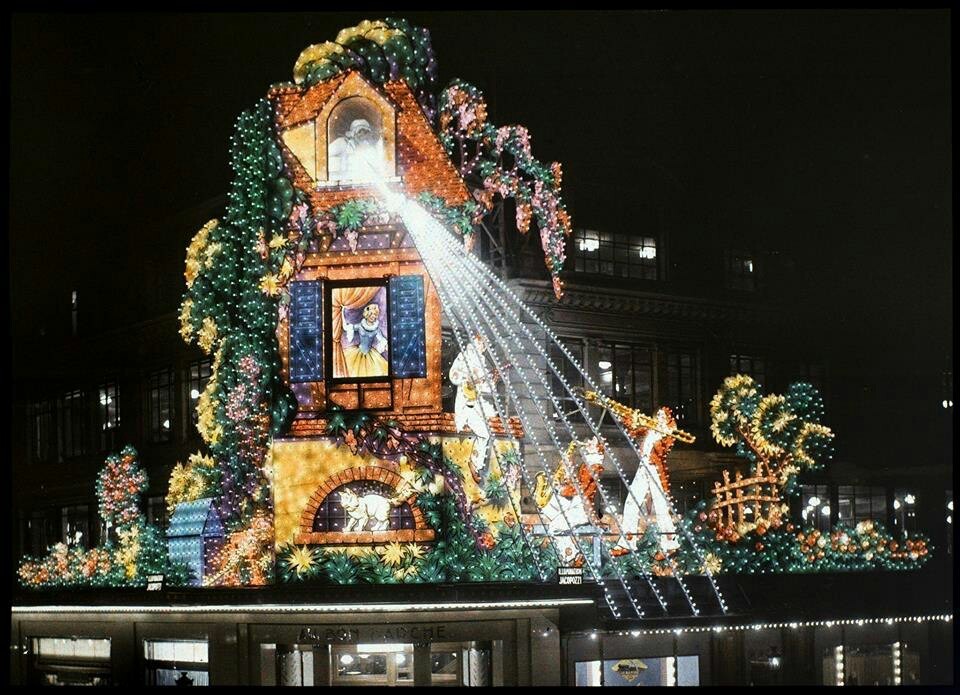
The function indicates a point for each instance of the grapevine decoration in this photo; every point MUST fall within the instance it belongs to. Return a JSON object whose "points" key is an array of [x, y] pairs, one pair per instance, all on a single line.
{"points": [[133, 549], [501, 158]]}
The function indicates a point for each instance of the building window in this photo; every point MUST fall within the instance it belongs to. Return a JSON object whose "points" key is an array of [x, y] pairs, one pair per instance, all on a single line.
{"points": [[741, 271], [176, 662], [108, 409], [688, 494], [70, 661], [157, 512], [75, 525], [905, 511], [197, 378], [569, 373], [160, 405], [43, 432], [619, 255], [42, 531], [626, 374], [747, 364], [812, 373], [73, 430], [949, 522], [815, 506], [859, 503], [681, 386]]}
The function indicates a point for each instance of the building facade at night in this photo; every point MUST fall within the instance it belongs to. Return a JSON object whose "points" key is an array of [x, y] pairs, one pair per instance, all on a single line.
{"points": [[348, 520]]}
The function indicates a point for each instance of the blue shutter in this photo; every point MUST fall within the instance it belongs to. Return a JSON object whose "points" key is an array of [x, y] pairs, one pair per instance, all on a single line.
{"points": [[408, 353], [306, 346]]}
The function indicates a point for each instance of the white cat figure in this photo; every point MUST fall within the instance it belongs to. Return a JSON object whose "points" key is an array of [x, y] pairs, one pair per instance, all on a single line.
{"points": [[371, 509]]}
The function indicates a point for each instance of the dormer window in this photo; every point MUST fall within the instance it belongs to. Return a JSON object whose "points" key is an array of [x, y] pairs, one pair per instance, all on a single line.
{"points": [[356, 151]]}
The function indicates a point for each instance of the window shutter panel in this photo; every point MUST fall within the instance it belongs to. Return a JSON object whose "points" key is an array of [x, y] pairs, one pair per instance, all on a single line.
{"points": [[306, 344], [408, 354]]}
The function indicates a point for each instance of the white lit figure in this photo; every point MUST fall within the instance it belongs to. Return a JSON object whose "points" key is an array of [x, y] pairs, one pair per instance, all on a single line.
{"points": [[567, 509], [358, 154], [470, 374], [646, 484]]}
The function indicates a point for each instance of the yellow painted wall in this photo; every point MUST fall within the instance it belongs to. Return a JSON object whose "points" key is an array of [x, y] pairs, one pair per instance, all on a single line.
{"points": [[300, 466]]}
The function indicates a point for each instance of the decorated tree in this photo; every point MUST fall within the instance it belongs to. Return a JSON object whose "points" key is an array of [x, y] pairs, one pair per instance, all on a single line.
{"points": [[747, 527], [133, 549]]}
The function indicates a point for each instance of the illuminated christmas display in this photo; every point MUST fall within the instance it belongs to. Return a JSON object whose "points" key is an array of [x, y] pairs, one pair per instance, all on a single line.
{"points": [[347, 240]]}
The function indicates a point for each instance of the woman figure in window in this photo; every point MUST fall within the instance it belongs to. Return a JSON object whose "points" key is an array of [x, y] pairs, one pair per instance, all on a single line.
{"points": [[366, 357]]}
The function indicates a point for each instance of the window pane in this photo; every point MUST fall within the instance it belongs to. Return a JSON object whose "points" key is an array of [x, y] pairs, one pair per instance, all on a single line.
{"points": [[160, 405], [108, 406], [75, 525], [73, 424]]}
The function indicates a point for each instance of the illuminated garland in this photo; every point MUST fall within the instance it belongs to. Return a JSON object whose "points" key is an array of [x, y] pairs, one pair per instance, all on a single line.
{"points": [[502, 160], [139, 550], [383, 50], [781, 435]]}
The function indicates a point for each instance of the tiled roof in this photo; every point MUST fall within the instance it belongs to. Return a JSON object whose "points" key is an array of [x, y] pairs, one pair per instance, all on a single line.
{"points": [[420, 156], [191, 519]]}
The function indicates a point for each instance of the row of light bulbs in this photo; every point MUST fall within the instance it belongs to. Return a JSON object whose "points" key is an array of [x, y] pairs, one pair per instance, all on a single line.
{"points": [[945, 617]]}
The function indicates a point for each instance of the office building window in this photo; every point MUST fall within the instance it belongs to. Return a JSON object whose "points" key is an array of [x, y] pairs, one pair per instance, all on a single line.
{"points": [[905, 511], [73, 430], [160, 405], [176, 662], [157, 511], [815, 506], [858, 503], [949, 513], [43, 431], [626, 374], [42, 531], [75, 525], [619, 255], [811, 372], [108, 409], [197, 378], [741, 271], [747, 364], [688, 494], [570, 373], [681, 386]]}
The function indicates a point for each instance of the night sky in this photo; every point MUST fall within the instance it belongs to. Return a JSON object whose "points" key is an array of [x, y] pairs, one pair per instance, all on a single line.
{"points": [[825, 135]]}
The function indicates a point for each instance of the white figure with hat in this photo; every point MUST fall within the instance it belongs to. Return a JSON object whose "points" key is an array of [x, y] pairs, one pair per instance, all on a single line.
{"points": [[358, 154]]}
